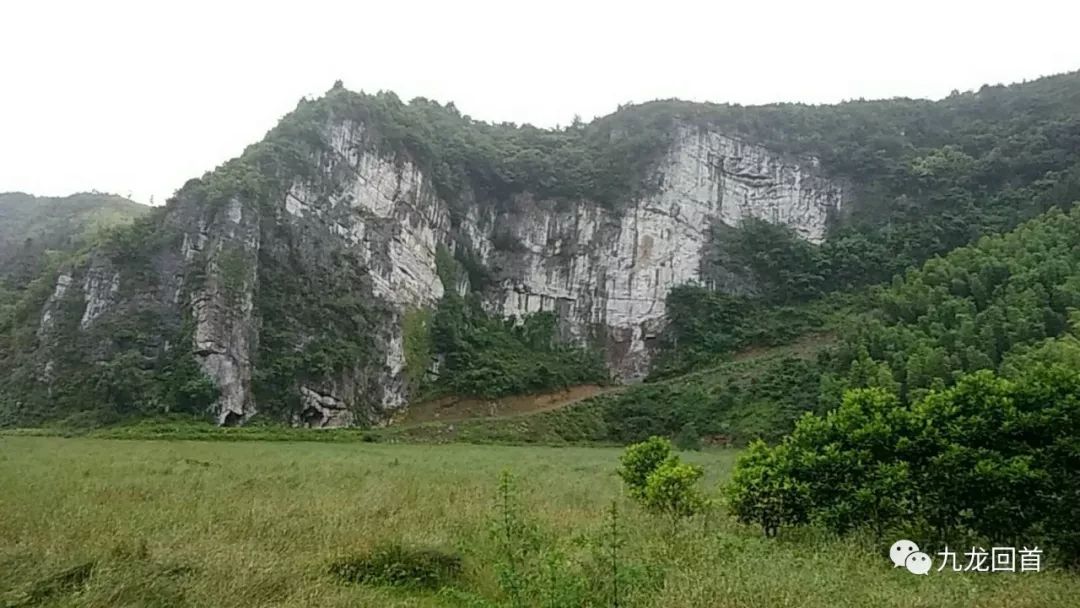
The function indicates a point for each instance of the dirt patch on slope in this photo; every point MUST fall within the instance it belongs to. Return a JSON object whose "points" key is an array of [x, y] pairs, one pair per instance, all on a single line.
{"points": [[460, 408]]}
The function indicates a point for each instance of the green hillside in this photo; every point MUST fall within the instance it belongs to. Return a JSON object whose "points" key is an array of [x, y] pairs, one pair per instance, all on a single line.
{"points": [[31, 226]]}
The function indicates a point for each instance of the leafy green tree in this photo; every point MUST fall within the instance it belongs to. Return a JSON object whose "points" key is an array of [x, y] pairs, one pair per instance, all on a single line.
{"points": [[852, 461], [763, 490], [999, 452]]}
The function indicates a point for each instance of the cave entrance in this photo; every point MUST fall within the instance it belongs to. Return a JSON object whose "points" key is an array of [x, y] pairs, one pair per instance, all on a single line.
{"points": [[312, 418], [232, 419]]}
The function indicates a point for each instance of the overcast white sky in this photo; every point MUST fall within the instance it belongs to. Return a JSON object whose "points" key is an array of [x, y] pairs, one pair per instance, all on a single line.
{"points": [[138, 97]]}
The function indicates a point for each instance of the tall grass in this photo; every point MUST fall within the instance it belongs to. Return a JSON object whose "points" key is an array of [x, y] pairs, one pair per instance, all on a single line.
{"points": [[90, 522]]}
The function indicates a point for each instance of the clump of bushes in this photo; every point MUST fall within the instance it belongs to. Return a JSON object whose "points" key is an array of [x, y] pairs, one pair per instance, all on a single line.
{"points": [[398, 566], [672, 489], [991, 458], [659, 481]]}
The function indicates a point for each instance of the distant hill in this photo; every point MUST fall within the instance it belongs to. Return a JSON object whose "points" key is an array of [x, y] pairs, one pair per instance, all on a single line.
{"points": [[32, 225]]}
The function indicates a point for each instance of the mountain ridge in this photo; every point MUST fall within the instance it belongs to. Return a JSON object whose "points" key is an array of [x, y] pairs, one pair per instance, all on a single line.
{"points": [[367, 250]]}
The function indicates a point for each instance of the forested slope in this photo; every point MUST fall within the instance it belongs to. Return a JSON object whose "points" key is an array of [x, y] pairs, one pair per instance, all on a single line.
{"points": [[1000, 304], [970, 310], [30, 226], [951, 408], [39, 232]]}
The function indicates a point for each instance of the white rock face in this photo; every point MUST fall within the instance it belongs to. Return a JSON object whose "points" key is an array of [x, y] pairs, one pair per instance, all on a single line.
{"points": [[606, 273], [222, 309], [610, 272], [63, 281], [98, 291], [726, 179], [386, 213]]}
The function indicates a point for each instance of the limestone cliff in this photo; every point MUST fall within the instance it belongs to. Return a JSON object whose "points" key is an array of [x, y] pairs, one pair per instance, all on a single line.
{"points": [[611, 271], [226, 249]]}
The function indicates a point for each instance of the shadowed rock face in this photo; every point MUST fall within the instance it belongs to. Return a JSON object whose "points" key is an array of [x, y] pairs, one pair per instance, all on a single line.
{"points": [[605, 272]]}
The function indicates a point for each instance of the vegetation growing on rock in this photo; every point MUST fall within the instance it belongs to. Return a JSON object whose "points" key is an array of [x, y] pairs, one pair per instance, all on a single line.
{"points": [[485, 355], [922, 177], [33, 227]]}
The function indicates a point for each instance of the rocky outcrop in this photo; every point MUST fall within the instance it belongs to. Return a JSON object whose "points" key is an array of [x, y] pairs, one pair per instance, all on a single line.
{"points": [[99, 288], [48, 313], [604, 271], [607, 273], [323, 410], [222, 308]]}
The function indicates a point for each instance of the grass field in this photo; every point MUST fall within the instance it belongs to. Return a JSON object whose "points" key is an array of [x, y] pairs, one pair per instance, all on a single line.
{"points": [[93, 522]]}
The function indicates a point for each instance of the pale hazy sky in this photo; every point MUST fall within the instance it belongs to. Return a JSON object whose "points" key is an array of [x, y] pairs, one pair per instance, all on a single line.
{"points": [[138, 97]]}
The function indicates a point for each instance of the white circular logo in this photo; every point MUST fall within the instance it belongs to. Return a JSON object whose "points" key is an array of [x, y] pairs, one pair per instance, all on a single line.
{"points": [[918, 563]]}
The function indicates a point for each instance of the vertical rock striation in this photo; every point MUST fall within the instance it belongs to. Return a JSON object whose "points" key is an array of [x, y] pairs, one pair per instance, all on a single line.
{"points": [[604, 271], [222, 308], [607, 273]]}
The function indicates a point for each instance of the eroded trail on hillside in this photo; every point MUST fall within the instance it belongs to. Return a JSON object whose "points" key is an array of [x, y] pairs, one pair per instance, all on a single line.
{"points": [[453, 408], [456, 408]]}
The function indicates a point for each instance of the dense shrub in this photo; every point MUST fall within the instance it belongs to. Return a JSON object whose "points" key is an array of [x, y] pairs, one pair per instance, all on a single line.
{"points": [[488, 356], [688, 438], [656, 478], [641, 460], [705, 326], [990, 459], [672, 489], [781, 267], [761, 399]]}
